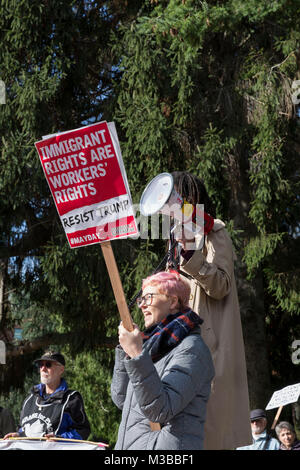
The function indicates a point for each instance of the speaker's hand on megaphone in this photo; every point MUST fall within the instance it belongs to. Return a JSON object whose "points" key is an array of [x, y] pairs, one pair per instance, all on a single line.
{"points": [[184, 237]]}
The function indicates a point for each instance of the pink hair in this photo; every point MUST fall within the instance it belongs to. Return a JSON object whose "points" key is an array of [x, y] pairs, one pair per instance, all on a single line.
{"points": [[170, 283]]}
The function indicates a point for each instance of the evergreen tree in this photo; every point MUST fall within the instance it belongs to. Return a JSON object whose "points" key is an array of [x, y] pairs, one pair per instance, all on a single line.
{"points": [[58, 69], [204, 86], [207, 87]]}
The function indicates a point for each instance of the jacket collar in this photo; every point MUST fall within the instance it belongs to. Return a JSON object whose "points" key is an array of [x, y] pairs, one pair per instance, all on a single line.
{"points": [[40, 388], [218, 225], [260, 437]]}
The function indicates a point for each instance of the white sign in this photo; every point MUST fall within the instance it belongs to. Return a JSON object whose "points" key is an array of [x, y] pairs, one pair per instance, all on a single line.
{"points": [[28, 444], [284, 396]]}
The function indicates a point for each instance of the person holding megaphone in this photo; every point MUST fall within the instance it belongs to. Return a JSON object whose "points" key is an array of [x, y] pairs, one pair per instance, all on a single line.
{"points": [[205, 255]]}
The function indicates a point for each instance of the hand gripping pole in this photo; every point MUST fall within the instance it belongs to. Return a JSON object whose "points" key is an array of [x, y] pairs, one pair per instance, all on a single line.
{"points": [[119, 296]]}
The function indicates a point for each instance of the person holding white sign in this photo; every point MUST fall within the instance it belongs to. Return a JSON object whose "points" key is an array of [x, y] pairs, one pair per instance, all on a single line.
{"points": [[164, 374], [261, 439], [287, 436]]}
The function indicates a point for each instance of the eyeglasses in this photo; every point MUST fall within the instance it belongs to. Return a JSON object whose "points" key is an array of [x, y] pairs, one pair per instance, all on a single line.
{"points": [[47, 364], [147, 299]]}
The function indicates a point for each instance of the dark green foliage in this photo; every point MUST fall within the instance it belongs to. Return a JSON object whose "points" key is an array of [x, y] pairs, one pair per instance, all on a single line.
{"points": [[57, 66], [204, 86], [14, 399], [91, 376], [207, 87]]}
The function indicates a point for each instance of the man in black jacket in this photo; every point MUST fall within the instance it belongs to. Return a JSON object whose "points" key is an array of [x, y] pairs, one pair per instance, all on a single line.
{"points": [[52, 410]]}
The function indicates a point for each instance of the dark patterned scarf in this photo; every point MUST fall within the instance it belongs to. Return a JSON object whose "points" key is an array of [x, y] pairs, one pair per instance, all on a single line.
{"points": [[164, 336]]}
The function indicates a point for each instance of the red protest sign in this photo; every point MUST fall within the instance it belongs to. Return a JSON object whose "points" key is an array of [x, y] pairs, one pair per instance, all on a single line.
{"points": [[87, 179]]}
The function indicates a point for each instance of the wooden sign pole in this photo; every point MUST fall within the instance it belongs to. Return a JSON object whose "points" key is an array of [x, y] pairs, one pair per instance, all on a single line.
{"points": [[119, 295], [276, 417], [117, 285]]}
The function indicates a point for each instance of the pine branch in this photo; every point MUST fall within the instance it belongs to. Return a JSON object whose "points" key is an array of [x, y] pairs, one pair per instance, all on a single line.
{"points": [[27, 347]]}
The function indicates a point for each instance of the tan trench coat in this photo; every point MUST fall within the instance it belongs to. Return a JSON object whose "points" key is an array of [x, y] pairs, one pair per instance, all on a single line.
{"points": [[214, 298]]}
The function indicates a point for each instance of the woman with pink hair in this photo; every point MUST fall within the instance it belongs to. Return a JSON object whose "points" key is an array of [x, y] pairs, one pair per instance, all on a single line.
{"points": [[162, 375]]}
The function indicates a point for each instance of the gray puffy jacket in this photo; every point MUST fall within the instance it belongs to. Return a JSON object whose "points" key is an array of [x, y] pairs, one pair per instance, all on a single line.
{"points": [[173, 391]]}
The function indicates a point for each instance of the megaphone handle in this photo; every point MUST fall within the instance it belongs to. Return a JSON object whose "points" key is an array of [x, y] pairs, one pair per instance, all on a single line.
{"points": [[173, 257], [117, 285]]}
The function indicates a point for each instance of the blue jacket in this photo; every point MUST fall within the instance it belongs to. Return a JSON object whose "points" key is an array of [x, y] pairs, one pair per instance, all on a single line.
{"points": [[261, 444], [62, 413]]}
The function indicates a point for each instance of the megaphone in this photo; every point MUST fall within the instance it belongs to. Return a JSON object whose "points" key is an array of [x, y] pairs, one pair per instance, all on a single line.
{"points": [[161, 196]]}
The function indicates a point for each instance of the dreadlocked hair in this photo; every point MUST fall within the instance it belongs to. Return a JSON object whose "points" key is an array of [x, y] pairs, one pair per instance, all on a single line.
{"points": [[192, 189]]}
